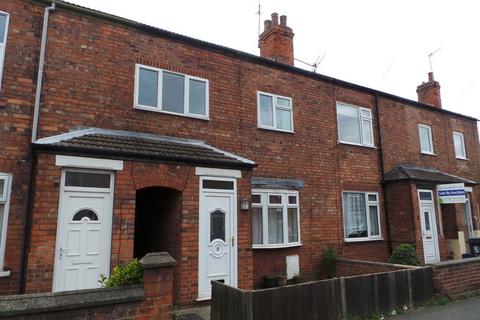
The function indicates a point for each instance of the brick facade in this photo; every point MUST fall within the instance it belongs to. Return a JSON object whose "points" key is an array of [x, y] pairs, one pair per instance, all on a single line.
{"points": [[89, 81]]}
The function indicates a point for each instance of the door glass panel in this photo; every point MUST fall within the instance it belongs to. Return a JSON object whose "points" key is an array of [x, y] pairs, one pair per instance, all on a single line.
{"points": [[87, 180], [173, 92], [217, 225], [275, 225], [88, 214], [217, 184], [425, 196], [427, 220]]}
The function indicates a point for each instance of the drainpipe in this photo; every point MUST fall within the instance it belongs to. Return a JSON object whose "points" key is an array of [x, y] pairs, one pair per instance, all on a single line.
{"points": [[41, 64], [382, 171], [33, 159]]}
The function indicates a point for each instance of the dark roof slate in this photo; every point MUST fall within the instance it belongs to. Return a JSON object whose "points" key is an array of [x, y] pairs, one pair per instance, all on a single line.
{"points": [[405, 172], [138, 145]]}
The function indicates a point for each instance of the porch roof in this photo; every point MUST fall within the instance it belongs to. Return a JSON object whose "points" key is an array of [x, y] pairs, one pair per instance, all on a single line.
{"points": [[128, 144], [406, 172]]}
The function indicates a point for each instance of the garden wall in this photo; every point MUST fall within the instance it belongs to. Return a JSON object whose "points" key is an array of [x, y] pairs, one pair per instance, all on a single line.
{"points": [[350, 267], [457, 277]]}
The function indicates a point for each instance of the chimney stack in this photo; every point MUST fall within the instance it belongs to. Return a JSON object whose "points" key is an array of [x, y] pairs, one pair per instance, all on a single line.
{"points": [[276, 41], [429, 92]]}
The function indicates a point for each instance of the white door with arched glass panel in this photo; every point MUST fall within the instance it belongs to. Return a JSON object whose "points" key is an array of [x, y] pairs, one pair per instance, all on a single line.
{"points": [[429, 226], [217, 242], [83, 230]]}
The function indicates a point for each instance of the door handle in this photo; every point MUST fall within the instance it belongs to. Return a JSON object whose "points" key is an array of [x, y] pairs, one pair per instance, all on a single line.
{"points": [[60, 253], [233, 241]]}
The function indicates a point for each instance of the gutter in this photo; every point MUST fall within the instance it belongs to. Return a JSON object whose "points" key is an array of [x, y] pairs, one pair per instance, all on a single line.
{"points": [[41, 65], [204, 45]]}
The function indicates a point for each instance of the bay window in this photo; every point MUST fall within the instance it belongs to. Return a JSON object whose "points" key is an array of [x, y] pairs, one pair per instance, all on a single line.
{"points": [[361, 212], [275, 218]]}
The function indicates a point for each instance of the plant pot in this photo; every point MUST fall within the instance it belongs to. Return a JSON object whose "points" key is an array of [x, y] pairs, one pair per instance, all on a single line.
{"points": [[269, 282], [281, 281]]}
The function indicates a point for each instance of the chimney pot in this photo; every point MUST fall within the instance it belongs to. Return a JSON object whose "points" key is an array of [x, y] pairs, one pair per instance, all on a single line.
{"points": [[267, 24], [430, 77], [283, 20], [275, 18]]}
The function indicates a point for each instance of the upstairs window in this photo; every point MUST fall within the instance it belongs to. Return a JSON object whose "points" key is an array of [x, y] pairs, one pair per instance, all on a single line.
{"points": [[426, 141], [459, 143], [4, 17], [275, 218], [354, 125], [362, 216], [170, 92], [5, 182], [274, 112]]}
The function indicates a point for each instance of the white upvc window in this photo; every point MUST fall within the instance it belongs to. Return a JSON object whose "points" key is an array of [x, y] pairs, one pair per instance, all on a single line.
{"points": [[459, 143], [275, 218], [5, 187], [426, 140], [355, 125], [170, 92], [361, 213], [274, 112], [4, 19]]}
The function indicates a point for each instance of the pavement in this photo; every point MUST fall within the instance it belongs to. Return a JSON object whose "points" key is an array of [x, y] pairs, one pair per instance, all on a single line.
{"points": [[468, 309], [199, 313]]}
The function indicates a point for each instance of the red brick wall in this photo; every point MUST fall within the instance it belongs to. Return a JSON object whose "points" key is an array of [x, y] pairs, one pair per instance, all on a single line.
{"points": [[400, 213], [456, 278], [349, 267]]}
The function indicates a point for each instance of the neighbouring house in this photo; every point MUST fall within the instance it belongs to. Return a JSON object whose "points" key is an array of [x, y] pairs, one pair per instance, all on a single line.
{"points": [[119, 139]]}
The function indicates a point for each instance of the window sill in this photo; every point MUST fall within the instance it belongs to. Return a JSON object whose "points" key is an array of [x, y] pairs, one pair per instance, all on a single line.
{"points": [[273, 129], [153, 109], [276, 246], [363, 240], [4, 274], [356, 144], [427, 153], [463, 159]]}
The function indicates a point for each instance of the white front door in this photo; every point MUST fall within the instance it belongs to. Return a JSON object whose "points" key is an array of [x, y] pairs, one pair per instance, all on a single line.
{"points": [[217, 234], [429, 226], [83, 230]]}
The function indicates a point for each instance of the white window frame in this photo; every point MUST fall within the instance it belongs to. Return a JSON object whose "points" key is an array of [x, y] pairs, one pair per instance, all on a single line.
{"points": [[3, 47], [430, 136], [275, 106], [368, 204], [462, 136], [4, 200], [264, 196], [158, 108], [361, 119]]}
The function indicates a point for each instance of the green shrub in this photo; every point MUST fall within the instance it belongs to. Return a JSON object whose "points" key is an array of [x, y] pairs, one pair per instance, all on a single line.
{"points": [[329, 261], [405, 254], [123, 275]]}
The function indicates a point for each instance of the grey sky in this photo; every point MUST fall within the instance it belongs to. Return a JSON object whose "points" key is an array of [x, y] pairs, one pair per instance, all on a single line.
{"points": [[376, 43]]}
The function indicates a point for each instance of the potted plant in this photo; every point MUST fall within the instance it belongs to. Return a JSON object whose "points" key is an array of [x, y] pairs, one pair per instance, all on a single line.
{"points": [[281, 280], [270, 281]]}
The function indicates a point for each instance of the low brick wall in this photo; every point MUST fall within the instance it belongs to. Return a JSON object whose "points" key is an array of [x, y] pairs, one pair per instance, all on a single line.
{"points": [[351, 267], [153, 300], [457, 277]]}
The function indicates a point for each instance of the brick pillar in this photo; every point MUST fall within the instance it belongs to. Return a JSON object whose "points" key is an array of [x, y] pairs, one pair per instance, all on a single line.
{"points": [[158, 286]]}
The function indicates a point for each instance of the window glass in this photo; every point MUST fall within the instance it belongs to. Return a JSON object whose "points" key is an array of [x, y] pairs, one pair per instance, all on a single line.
{"points": [[367, 132], [374, 227], [3, 27], [284, 119], [218, 184], [148, 87], [197, 97], [348, 124], [425, 196], [292, 199], [2, 188], [283, 102], [256, 198], [459, 143], [257, 226], [266, 110], [2, 209], [274, 199], [217, 225], [425, 139], [87, 180], [292, 225], [86, 213], [173, 92], [372, 197], [356, 215], [275, 225]]}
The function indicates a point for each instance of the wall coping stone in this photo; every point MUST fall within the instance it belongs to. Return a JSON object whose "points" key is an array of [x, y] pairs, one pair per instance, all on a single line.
{"points": [[455, 262], [375, 263], [34, 303], [157, 260]]}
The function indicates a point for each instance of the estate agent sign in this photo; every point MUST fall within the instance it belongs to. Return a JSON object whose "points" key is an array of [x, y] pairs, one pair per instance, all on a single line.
{"points": [[451, 193]]}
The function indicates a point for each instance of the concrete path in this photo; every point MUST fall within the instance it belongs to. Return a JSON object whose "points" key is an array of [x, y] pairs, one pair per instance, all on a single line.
{"points": [[468, 309], [200, 313]]}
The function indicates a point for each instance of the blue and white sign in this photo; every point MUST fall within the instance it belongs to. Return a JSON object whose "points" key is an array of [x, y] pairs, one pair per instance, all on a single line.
{"points": [[451, 193]]}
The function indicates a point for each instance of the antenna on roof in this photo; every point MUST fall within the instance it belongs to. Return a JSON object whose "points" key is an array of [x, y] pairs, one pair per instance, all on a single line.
{"points": [[430, 58], [315, 64], [259, 13]]}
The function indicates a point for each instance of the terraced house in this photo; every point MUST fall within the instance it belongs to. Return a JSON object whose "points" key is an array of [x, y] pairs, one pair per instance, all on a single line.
{"points": [[118, 139]]}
